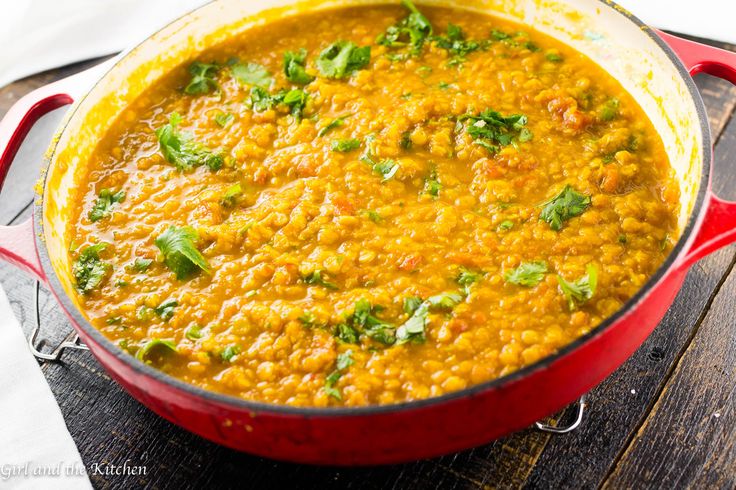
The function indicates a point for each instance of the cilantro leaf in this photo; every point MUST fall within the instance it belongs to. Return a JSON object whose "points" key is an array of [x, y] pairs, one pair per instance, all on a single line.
{"points": [[344, 361], [142, 265], [194, 332], [609, 110], [567, 204], [166, 309], [411, 303], [412, 330], [296, 99], [155, 345], [334, 124], [223, 119], [466, 278], [411, 31], [580, 290], [364, 318], [231, 195], [387, 168], [180, 150], [456, 44], [345, 145], [294, 67], [315, 278], [432, 185], [204, 78], [347, 333], [252, 74], [492, 130], [180, 253], [528, 274], [89, 270], [104, 203], [342, 58], [229, 352], [506, 225]]}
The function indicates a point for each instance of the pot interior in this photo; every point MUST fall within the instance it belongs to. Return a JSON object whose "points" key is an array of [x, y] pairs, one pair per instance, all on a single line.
{"points": [[601, 31]]}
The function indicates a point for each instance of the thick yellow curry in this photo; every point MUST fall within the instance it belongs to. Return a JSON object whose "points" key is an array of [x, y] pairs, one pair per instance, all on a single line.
{"points": [[368, 206]]}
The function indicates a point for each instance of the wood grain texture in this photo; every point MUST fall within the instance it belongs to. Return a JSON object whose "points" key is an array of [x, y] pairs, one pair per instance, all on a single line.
{"points": [[659, 432]]}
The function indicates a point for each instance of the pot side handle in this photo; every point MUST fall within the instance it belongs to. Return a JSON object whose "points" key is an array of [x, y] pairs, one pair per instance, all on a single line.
{"points": [[719, 224], [17, 243]]}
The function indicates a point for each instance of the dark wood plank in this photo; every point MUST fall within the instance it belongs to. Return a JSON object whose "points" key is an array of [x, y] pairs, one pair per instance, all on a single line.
{"points": [[109, 426], [689, 439]]}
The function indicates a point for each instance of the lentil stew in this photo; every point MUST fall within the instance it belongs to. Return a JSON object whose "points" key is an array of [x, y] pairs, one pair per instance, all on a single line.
{"points": [[370, 206]]}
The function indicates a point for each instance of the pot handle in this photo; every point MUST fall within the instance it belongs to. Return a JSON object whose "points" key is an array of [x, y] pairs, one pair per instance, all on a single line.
{"points": [[719, 223], [17, 244]]}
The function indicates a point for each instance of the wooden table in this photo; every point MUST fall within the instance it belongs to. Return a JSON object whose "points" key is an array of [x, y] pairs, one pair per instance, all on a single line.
{"points": [[666, 418]]}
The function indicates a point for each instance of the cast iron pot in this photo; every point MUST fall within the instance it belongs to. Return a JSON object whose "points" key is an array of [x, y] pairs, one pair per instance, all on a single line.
{"points": [[654, 67]]}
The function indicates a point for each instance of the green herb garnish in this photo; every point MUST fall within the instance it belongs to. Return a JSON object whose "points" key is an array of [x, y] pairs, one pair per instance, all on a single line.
{"points": [[580, 290], [204, 78], [342, 58], [466, 278], [528, 274], [456, 44], [104, 204], [344, 361], [553, 57], [231, 195], [345, 145], [334, 124], [609, 110], [252, 74], [223, 119], [89, 270], [316, 278], [412, 330], [166, 309], [432, 184], [567, 204], [491, 130], [142, 265], [229, 352], [294, 67], [194, 332], [163, 346], [179, 149], [506, 225], [180, 253], [411, 31]]}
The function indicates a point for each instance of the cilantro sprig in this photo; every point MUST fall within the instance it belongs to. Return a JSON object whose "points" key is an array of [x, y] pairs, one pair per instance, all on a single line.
{"points": [[580, 290], [178, 246], [180, 149], [492, 130], [104, 204], [89, 270], [204, 78], [528, 274], [567, 204], [295, 63], [340, 59], [412, 31]]}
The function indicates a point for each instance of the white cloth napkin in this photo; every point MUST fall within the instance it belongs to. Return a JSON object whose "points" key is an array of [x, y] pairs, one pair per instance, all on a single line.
{"points": [[37, 35], [33, 436]]}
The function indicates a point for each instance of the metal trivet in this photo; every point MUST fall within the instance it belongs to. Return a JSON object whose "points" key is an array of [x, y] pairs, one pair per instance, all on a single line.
{"points": [[71, 341]]}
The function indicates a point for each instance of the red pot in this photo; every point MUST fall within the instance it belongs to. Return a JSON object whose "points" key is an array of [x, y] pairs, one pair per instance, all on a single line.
{"points": [[386, 434]]}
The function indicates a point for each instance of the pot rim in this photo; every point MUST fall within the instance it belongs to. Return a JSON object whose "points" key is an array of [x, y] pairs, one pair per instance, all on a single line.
{"points": [[79, 322]]}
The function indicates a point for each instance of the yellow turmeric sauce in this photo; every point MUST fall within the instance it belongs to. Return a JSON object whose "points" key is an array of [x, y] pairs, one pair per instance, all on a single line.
{"points": [[408, 203]]}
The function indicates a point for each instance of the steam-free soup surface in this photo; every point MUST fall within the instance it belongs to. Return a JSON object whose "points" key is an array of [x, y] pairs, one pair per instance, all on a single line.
{"points": [[383, 214]]}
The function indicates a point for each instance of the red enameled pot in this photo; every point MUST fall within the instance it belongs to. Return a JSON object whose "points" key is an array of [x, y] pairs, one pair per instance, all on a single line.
{"points": [[654, 67]]}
